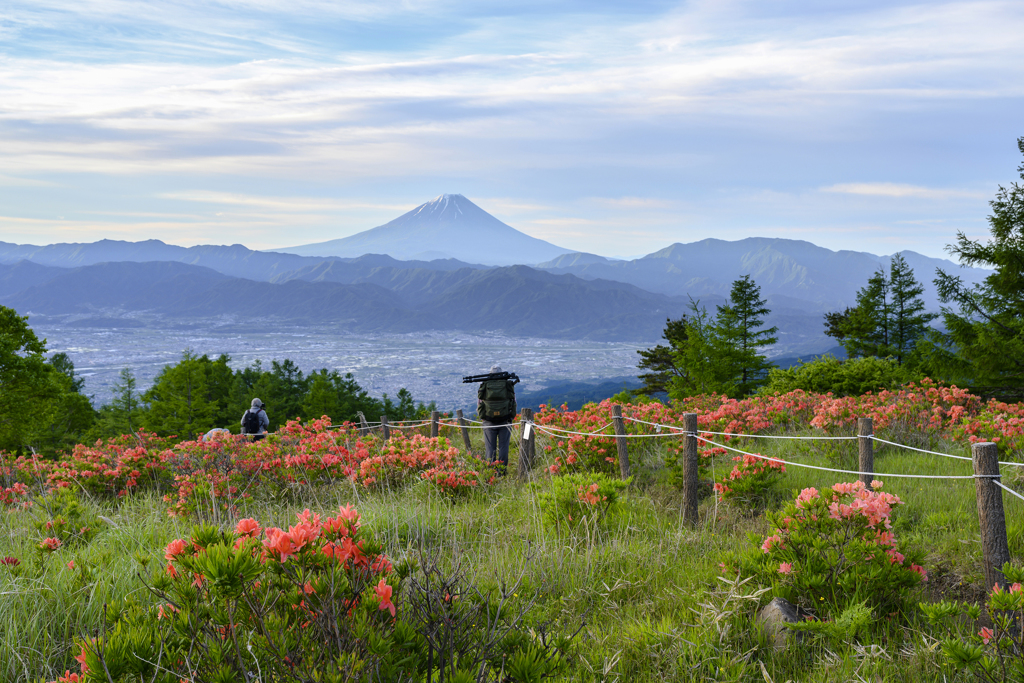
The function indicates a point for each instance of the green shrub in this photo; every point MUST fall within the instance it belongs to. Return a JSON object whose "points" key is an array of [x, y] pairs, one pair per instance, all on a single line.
{"points": [[849, 377], [574, 498]]}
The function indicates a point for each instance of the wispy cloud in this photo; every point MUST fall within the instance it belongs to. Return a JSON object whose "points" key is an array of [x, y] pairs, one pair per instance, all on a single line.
{"points": [[897, 190]]}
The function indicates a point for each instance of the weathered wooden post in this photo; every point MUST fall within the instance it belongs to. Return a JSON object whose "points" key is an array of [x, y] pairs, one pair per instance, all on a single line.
{"points": [[691, 462], [526, 444], [364, 428], [620, 440], [991, 519], [433, 424], [385, 430], [465, 430], [866, 450]]}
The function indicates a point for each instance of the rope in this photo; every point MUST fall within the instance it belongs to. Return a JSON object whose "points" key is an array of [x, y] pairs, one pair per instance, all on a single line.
{"points": [[828, 469], [705, 431], [1007, 488], [607, 436], [944, 455], [597, 433]]}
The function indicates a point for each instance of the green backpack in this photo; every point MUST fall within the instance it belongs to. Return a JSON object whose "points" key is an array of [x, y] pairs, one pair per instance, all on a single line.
{"points": [[498, 400]]}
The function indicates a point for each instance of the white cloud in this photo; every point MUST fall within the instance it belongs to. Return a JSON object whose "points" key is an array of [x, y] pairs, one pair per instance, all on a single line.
{"points": [[898, 191]]}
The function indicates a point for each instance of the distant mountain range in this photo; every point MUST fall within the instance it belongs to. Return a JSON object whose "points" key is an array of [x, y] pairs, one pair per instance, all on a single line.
{"points": [[566, 295], [449, 226]]}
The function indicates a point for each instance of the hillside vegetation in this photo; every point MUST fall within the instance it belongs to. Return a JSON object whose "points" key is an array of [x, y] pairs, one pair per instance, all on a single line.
{"points": [[410, 559]]}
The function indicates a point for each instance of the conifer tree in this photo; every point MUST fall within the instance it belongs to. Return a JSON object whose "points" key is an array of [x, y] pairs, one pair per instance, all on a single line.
{"points": [[180, 401], [984, 342], [908, 320], [889, 318], [741, 336]]}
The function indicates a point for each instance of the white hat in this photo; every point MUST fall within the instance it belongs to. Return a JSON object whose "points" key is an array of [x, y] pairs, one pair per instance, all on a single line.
{"points": [[495, 368]]}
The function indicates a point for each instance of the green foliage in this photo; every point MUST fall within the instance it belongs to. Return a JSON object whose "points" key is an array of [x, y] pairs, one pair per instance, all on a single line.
{"points": [[199, 393], [661, 360], [183, 399], [984, 342], [996, 652], [66, 521], [850, 377], [739, 329], [40, 406], [582, 497], [889, 319], [712, 354]]}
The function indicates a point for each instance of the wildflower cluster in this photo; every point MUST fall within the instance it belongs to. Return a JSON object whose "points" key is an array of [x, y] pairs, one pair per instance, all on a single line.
{"points": [[214, 478], [14, 496], [750, 479], [833, 549]]}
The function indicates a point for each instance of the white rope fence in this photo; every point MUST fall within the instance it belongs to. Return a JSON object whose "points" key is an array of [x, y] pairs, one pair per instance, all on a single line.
{"points": [[829, 469]]}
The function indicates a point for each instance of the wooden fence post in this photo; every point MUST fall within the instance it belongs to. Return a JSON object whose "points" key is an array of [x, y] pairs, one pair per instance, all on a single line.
{"points": [[691, 463], [433, 424], [994, 546], [385, 430], [465, 430], [866, 450], [526, 444], [620, 441], [364, 428]]}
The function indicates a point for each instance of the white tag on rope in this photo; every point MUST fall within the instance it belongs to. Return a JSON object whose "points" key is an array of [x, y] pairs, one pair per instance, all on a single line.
{"points": [[528, 430]]}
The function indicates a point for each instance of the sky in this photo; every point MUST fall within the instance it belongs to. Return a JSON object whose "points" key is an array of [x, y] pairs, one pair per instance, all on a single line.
{"points": [[615, 128]]}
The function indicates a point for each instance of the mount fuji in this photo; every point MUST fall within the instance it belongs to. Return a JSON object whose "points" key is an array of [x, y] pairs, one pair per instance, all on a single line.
{"points": [[449, 226]]}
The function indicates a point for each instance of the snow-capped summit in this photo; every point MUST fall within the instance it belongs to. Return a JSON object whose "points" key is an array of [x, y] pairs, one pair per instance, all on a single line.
{"points": [[448, 226]]}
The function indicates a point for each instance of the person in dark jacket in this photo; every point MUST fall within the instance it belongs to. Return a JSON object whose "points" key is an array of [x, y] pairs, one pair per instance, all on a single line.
{"points": [[496, 406], [259, 424]]}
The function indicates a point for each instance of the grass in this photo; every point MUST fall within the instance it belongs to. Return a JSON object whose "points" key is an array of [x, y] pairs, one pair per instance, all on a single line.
{"points": [[646, 588]]}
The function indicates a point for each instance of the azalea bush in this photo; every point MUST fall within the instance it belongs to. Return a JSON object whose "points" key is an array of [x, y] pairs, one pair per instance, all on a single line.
{"points": [[750, 479], [66, 522], [576, 498], [215, 480], [316, 602], [14, 496], [994, 653], [833, 549]]}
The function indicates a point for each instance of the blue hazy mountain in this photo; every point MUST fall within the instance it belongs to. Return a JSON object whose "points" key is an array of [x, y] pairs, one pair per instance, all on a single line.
{"points": [[792, 273], [449, 226]]}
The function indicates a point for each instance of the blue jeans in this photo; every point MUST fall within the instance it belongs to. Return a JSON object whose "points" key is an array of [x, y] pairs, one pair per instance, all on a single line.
{"points": [[496, 436]]}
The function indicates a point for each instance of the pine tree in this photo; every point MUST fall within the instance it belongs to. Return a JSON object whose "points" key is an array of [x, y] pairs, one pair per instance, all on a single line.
{"points": [[127, 403], [702, 361], [889, 318], [179, 400], [984, 343], [741, 337], [908, 321], [661, 360]]}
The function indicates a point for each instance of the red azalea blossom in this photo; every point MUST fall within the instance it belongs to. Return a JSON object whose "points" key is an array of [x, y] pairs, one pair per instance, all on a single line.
{"points": [[384, 596]]}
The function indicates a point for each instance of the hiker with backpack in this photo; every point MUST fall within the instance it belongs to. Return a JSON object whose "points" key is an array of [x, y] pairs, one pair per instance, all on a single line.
{"points": [[255, 421], [496, 406]]}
